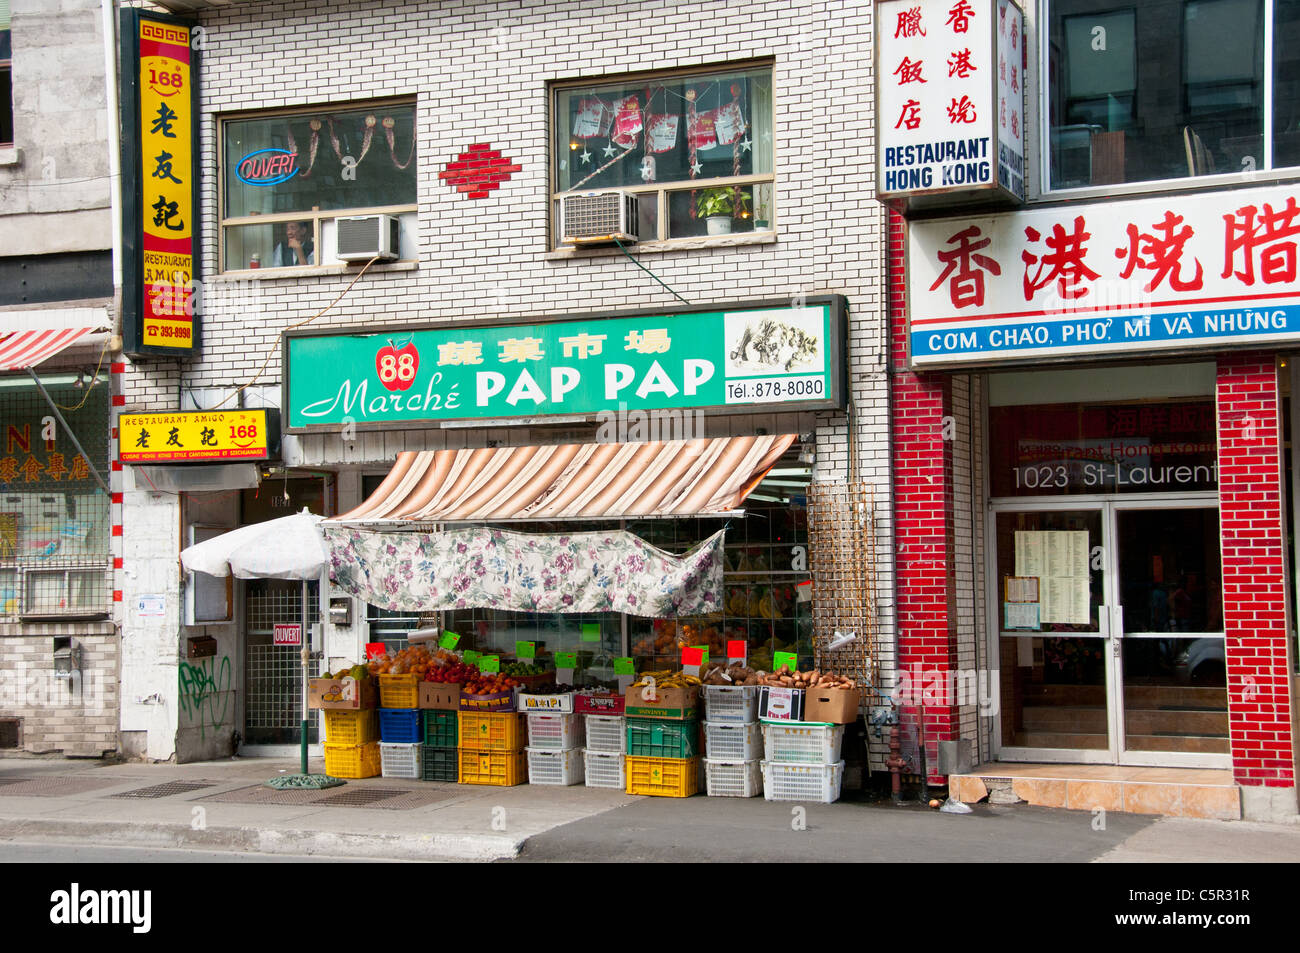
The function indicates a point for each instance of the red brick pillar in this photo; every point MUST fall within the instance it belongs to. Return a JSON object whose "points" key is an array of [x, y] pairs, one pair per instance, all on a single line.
{"points": [[923, 527], [1251, 516]]}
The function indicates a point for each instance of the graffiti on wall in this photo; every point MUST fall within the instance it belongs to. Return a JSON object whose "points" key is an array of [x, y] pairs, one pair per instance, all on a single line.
{"points": [[205, 693]]}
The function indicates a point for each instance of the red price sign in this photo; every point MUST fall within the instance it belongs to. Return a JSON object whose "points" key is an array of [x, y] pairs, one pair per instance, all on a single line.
{"points": [[286, 633], [737, 648], [692, 656], [375, 650]]}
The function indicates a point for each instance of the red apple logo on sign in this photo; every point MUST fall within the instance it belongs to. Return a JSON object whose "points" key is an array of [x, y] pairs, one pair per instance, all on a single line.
{"points": [[397, 363]]}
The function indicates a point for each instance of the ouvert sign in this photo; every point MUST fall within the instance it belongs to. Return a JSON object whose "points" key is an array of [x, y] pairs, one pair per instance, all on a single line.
{"points": [[786, 355]]}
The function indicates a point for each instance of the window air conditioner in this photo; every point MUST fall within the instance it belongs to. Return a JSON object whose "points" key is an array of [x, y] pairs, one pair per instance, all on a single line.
{"points": [[364, 237], [592, 218]]}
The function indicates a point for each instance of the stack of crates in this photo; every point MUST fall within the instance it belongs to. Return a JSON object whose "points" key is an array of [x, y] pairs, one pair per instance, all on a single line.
{"points": [[352, 743], [400, 728], [491, 748], [663, 756], [605, 754], [555, 748], [439, 754], [802, 761], [733, 741]]}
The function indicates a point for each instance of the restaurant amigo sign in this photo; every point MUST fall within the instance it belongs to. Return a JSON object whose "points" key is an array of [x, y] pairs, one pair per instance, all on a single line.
{"points": [[949, 98]]}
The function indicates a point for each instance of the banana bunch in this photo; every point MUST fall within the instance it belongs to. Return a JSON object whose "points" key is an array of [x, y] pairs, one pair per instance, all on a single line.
{"points": [[667, 679]]}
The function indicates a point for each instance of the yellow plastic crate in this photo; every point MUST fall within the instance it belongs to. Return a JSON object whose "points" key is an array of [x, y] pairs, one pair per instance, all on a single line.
{"points": [[502, 768], [353, 761], [399, 691], [351, 727], [663, 777], [492, 731]]}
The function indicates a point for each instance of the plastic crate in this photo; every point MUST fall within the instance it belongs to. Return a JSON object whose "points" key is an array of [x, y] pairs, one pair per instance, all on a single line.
{"points": [[400, 760], [441, 728], [604, 770], [733, 742], [400, 726], [606, 734], [560, 767], [353, 761], [658, 738], [819, 783], [663, 777], [731, 704], [802, 744], [491, 731], [351, 727], [399, 691], [439, 764], [733, 778], [555, 732], [502, 768]]}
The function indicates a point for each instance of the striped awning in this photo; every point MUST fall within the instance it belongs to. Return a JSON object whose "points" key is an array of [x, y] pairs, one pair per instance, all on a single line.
{"points": [[20, 350], [573, 481]]}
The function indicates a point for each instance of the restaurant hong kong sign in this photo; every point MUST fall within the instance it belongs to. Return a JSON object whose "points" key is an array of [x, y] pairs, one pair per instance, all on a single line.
{"points": [[1176, 272], [785, 355]]}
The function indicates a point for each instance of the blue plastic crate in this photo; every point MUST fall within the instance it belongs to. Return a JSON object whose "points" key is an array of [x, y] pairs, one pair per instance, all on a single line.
{"points": [[400, 726]]}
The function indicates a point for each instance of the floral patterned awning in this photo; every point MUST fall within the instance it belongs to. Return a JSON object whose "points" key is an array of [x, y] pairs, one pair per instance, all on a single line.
{"points": [[611, 571]]}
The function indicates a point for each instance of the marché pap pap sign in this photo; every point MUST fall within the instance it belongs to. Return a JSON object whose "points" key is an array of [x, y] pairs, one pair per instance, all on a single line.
{"points": [[772, 355]]}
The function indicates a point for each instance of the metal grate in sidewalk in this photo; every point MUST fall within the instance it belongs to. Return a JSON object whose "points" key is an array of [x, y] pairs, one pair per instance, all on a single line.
{"points": [[55, 786], [387, 798], [167, 789]]}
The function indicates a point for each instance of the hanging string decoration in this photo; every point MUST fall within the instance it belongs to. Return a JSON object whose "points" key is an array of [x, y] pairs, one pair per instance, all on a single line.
{"points": [[314, 145], [367, 137], [392, 149]]}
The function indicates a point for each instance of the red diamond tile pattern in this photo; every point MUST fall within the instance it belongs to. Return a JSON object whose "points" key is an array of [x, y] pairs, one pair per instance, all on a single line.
{"points": [[478, 170]]}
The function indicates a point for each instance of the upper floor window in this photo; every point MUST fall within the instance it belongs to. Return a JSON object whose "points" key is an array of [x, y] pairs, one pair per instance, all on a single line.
{"points": [[696, 149], [286, 177], [6, 78], [1169, 89]]}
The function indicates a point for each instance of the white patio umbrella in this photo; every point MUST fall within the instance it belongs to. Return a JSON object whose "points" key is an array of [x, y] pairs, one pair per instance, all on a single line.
{"points": [[290, 547]]}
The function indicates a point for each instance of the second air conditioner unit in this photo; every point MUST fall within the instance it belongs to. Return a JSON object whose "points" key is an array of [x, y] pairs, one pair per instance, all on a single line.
{"points": [[363, 237], [594, 218]]}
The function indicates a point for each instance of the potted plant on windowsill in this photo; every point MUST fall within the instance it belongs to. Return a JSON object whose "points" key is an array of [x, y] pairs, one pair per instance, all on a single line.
{"points": [[719, 206]]}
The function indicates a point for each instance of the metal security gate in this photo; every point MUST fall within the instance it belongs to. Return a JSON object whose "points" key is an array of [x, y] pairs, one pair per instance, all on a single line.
{"points": [[273, 673]]}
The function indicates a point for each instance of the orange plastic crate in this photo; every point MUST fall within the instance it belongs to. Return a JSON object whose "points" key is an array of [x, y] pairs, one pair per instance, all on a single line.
{"points": [[502, 768], [353, 761], [492, 731]]}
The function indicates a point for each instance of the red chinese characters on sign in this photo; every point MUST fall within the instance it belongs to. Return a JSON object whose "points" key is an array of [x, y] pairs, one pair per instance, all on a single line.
{"points": [[909, 24], [909, 72], [1270, 234], [961, 110], [1063, 261], [959, 16], [959, 64], [966, 286], [1160, 251], [910, 116]]}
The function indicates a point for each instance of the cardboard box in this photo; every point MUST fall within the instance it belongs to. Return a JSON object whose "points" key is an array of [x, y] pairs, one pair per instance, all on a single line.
{"points": [[599, 703], [670, 703], [342, 694], [560, 702], [496, 701], [781, 704], [441, 696], [839, 706]]}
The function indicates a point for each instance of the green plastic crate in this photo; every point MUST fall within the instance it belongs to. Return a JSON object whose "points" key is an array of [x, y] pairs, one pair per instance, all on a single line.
{"points": [[660, 738], [440, 729], [440, 764]]}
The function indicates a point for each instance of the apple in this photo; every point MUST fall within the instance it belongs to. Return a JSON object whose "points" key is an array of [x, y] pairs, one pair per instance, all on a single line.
{"points": [[397, 364]]}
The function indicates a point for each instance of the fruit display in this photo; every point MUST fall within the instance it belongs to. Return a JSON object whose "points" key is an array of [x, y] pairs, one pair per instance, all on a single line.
{"points": [[416, 660], [546, 688], [812, 678], [734, 674], [356, 671], [522, 669], [760, 602], [455, 673], [492, 684], [667, 679]]}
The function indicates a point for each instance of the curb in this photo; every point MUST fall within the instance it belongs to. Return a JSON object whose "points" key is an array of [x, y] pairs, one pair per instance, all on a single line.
{"points": [[468, 847]]}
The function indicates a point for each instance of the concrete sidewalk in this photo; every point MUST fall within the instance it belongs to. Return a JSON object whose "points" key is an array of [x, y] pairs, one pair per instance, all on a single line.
{"points": [[223, 805]]}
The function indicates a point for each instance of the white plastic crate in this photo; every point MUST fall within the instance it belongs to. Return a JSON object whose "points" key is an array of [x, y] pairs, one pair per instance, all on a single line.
{"points": [[606, 734], [554, 732], [733, 742], [605, 770], [562, 767], [802, 744], [731, 704], [819, 783], [400, 760], [733, 778]]}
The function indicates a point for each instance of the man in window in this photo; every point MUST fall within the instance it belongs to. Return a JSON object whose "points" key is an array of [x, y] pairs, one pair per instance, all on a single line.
{"points": [[297, 247]]}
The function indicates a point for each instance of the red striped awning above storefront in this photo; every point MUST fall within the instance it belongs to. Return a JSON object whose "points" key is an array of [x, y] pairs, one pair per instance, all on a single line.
{"points": [[20, 350], [573, 481]]}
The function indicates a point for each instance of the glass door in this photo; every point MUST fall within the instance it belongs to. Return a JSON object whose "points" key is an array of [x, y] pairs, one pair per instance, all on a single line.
{"points": [[1054, 625], [1173, 698]]}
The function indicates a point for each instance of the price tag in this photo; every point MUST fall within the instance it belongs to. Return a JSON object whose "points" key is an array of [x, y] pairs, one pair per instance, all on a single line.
{"points": [[375, 650], [566, 660], [525, 650], [737, 650], [472, 657], [624, 666], [449, 640], [489, 663], [704, 649], [591, 631], [785, 658], [692, 655]]}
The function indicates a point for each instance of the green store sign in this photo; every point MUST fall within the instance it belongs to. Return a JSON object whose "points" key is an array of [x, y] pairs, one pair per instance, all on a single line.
{"points": [[785, 356]]}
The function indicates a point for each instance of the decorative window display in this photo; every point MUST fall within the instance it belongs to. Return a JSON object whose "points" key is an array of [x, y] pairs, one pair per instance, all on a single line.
{"points": [[285, 178], [695, 148]]}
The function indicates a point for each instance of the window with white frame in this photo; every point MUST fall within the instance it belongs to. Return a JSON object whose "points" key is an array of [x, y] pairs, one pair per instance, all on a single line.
{"points": [[287, 177], [1170, 89], [695, 148]]}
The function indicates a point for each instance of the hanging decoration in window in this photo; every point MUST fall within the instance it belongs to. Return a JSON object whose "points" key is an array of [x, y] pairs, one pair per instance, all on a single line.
{"points": [[368, 135]]}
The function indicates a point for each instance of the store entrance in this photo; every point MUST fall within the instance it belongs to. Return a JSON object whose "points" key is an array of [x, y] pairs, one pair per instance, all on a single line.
{"points": [[1110, 632]]}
